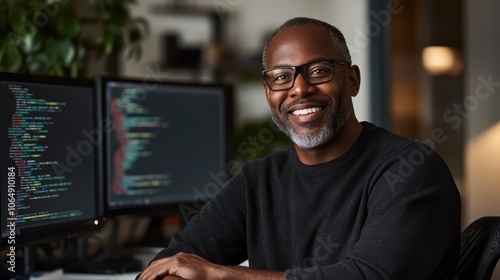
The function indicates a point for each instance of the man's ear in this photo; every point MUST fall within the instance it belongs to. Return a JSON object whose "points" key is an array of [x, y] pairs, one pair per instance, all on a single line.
{"points": [[353, 80], [268, 93]]}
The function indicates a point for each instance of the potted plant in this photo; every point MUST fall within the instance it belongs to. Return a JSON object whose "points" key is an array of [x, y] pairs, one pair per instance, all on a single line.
{"points": [[60, 37]]}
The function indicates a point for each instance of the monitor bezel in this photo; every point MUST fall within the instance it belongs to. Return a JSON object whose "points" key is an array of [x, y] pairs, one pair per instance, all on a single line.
{"points": [[168, 208], [65, 229]]}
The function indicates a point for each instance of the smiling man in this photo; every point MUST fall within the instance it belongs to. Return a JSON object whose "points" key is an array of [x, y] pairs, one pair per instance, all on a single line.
{"points": [[349, 201]]}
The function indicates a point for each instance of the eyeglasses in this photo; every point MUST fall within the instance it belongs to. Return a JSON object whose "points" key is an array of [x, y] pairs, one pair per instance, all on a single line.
{"points": [[315, 73]]}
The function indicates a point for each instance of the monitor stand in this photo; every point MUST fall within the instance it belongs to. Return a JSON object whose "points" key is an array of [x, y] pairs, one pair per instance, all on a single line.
{"points": [[113, 260]]}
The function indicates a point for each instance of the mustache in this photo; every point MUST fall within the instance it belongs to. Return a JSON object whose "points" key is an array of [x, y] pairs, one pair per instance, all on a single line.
{"points": [[321, 102]]}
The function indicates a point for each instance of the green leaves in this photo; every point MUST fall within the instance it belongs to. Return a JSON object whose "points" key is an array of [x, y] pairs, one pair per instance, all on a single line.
{"points": [[51, 37], [10, 58], [119, 30], [67, 25]]}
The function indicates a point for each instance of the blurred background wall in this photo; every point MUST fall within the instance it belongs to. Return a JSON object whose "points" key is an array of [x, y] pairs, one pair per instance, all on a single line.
{"points": [[482, 156]]}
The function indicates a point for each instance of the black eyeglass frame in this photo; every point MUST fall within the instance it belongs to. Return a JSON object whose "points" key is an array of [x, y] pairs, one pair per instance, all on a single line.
{"points": [[300, 69]]}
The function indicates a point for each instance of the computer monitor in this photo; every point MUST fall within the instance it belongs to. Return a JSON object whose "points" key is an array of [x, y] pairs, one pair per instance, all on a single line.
{"points": [[166, 144], [50, 158]]}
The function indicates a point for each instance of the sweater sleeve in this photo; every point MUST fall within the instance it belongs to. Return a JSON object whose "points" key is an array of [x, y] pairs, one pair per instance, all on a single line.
{"points": [[412, 226], [217, 232]]}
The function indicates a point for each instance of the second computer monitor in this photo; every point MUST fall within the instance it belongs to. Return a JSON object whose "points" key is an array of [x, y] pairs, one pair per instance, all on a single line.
{"points": [[165, 145]]}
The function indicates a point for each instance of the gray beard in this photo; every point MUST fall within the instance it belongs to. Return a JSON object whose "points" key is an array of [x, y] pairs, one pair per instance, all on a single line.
{"points": [[334, 122]]}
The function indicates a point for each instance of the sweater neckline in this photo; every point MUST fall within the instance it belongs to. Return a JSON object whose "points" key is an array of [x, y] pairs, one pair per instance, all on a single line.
{"points": [[331, 166]]}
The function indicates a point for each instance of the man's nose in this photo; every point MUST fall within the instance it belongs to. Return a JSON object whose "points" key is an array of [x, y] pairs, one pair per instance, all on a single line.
{"points": [[301, 87]]}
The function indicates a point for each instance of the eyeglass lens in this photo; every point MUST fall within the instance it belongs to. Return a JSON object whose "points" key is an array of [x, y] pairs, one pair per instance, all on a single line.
{"points": [[314, 73]]}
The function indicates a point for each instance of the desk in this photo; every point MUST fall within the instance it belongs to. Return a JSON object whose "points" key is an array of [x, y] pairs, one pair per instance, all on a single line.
{"points": [[78, 276], [144, 255], [60, 275]]}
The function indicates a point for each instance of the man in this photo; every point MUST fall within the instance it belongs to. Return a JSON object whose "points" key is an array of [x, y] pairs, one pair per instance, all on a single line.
{"points": [[349, 201]]}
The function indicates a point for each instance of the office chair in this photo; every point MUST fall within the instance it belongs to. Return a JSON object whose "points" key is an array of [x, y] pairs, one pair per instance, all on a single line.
{"points": [[479, 249]]}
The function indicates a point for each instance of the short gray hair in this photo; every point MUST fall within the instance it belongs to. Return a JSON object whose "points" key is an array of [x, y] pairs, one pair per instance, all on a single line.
{"points": [[335, 34]]}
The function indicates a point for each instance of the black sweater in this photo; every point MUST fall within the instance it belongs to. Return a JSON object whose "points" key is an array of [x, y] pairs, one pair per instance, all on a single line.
{"points": [[386, 209]]}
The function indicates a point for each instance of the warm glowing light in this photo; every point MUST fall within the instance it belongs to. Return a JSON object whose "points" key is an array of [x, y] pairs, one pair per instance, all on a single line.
{"points": [[440, 60]]}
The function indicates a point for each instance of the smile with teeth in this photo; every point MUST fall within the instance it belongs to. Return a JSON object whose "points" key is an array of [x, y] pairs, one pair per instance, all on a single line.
{"points": [[306, 111]]}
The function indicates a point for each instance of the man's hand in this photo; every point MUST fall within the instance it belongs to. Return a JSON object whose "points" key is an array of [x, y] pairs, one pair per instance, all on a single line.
{"points": [[184, 265], [191, 267]]}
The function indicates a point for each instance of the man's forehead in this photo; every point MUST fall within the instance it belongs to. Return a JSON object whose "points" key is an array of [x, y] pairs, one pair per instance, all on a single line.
{"points": [[299, 44]]}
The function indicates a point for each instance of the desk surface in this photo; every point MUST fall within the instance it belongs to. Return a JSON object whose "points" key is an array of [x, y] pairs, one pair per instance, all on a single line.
{"points": [[143, 255], [78, 276], [60, 275]]}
